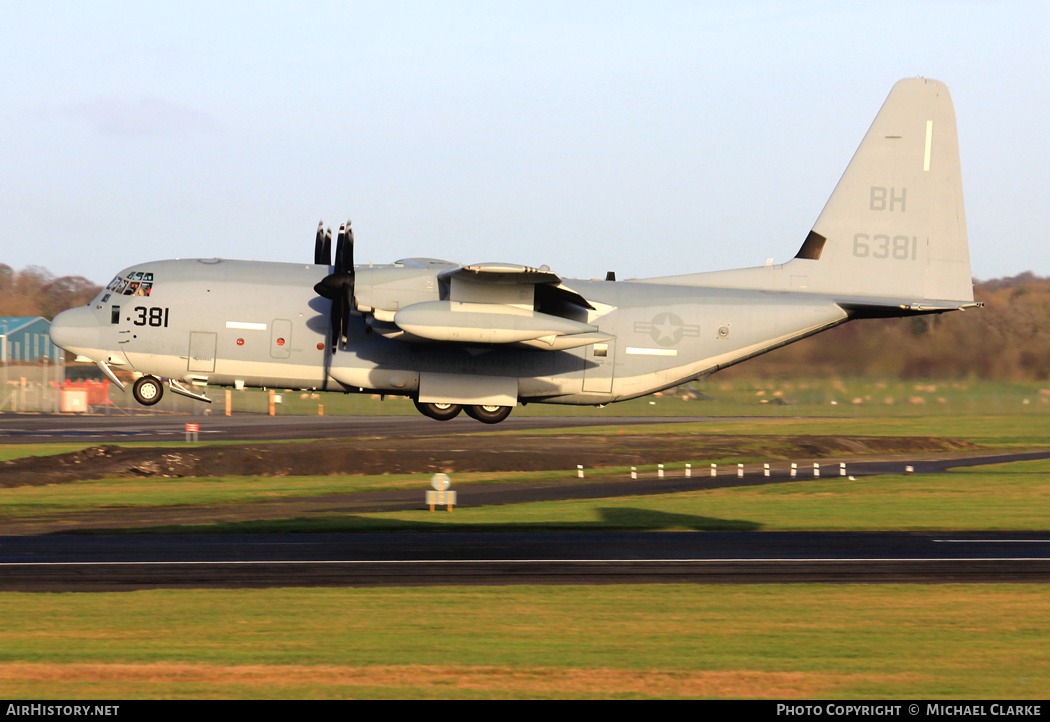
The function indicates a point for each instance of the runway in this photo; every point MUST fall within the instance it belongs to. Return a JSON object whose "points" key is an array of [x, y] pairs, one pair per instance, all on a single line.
{"points": [[98, 562], [128, 562], [51, 428]]}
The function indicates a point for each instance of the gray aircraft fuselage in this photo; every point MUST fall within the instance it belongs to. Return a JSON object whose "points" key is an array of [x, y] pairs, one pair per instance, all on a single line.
{"points": [[891, 241], [260, 324]]}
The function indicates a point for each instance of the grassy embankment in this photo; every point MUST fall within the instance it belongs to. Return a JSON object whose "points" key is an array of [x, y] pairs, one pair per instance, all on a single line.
{"points": [[1009, 496]]}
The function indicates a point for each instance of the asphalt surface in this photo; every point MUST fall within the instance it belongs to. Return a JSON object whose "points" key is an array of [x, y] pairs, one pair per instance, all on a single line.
{"points": [[51, 428], [116, 563], [75, 562]]}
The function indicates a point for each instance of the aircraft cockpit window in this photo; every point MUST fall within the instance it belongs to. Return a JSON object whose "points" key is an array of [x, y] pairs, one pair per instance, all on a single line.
{"points": [[136, 283]]}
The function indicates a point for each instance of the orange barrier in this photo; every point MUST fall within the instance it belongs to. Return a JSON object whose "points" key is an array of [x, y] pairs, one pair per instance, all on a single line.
{"points": [[97, 391]]}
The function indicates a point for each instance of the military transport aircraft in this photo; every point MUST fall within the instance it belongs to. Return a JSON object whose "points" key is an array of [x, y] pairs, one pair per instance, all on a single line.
{"points": [[891, 241]]}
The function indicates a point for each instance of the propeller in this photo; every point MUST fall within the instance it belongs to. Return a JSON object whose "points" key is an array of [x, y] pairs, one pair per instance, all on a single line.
{"points": [[323, 246], [338, 287]]}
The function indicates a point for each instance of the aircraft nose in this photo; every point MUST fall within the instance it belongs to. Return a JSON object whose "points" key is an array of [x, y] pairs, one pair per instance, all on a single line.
{"points": [[76, 330]]}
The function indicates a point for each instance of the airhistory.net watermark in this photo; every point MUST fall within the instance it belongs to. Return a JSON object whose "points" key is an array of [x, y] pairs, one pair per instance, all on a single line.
{"points": [[62, 710]]}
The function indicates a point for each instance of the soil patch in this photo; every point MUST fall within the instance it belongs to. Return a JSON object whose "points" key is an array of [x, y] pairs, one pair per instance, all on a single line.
{"points": [[453, 453]]}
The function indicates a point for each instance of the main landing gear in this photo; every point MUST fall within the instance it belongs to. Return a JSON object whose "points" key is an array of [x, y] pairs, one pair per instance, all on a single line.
{"points": [[444, 412], [441, 412], [488, 414]]}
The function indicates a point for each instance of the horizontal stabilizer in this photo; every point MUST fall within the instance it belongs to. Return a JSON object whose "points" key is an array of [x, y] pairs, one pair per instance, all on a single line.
{"points": [[893, 308]]}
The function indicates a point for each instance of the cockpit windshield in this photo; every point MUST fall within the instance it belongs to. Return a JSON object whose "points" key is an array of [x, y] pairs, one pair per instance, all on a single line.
{"points": [[136, 283]]}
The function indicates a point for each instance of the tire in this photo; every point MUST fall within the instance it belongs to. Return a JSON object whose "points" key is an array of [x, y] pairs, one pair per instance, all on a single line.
{"points": [[441, 412], [488, 414], [148, 390]]}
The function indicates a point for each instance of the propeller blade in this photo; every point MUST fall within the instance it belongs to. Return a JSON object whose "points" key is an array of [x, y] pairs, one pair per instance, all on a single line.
{"points": [[326, 249], [340, 250], [337, 324], [319, 243], [351, 278], [338, 287], [349, 252]]}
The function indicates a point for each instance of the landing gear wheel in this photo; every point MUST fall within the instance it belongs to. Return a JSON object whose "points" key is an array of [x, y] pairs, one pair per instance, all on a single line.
{"points": [[147, 390], [488, 414], [441, 412]]}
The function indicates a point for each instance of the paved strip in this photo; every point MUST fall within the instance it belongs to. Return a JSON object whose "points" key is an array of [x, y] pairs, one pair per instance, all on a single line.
{"points": [[103, 563], [49, 428]]}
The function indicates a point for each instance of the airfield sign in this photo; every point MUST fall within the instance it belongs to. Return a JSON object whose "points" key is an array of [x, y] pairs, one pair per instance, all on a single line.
{"points": [[441, 496]]}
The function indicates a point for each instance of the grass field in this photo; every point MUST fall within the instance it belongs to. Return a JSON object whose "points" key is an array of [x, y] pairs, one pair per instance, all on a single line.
{"points": [[1001, 497], [652, 641], [1007, 497], [660, 641]]}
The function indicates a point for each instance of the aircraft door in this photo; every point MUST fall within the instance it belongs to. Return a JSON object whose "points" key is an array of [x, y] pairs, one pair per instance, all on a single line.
{"points": [[280, 338], [598, 367], [202, 351]]}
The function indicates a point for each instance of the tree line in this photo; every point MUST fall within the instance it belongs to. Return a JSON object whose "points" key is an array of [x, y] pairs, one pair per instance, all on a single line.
{"points": [[1007, 340], [34, 291]]}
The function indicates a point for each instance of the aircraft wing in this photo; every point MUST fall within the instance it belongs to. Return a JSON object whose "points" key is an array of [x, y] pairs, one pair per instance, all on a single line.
{"points": [[501, 303], [501, 273], [507, 283]]}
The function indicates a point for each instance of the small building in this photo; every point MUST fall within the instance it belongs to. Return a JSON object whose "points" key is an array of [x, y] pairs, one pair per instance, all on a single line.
{"points": [[26, 339]]}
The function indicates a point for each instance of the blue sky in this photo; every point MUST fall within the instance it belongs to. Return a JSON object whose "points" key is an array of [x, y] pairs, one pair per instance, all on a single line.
{"points": [[649, 138]]}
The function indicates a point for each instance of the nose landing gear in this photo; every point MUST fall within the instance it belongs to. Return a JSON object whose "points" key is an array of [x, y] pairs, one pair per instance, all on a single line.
{"points": [[148, 390]]}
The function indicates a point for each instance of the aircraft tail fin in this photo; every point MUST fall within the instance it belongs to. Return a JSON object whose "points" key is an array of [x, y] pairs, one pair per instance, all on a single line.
{"points": [[895, 226], [893, 233]]}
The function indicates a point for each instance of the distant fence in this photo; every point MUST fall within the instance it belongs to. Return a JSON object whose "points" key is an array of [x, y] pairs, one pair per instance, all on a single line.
{"points": [[30, 386], [43, 387]]}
